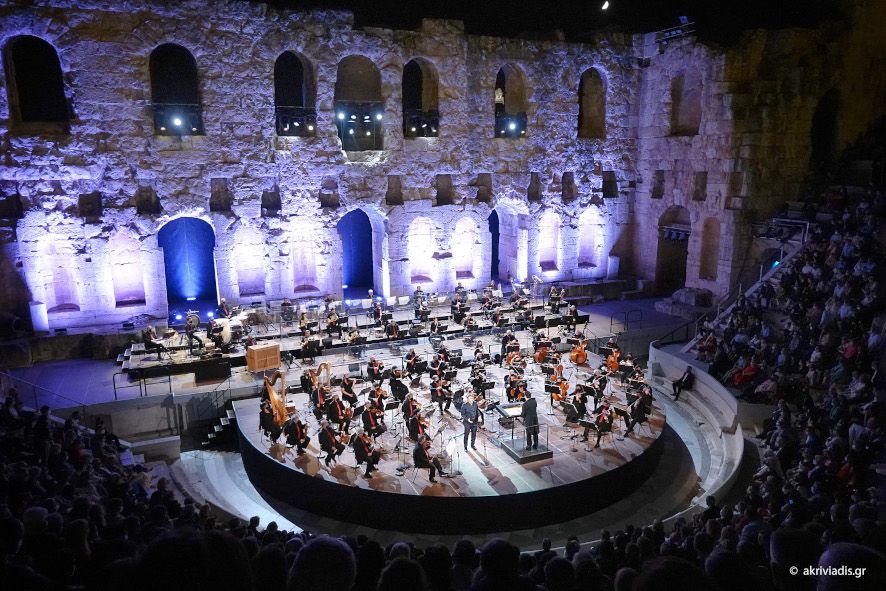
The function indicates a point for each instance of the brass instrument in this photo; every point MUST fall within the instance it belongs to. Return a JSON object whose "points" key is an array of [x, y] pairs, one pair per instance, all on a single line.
{"points": [[277, 402]]}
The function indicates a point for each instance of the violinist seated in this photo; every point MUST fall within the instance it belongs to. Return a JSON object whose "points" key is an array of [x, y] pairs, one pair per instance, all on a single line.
{"points": [[307, 382], [498, 318], [441, 394], [580, 402], [377, 312], [517, 391], [266, 421], [415, 365], [329, 442], [572, 316], [376, 370], [602, 424], [421, 457], [338, 414], [296, 435], [409, 408], [398, 388], [319, 400], [379, 396], [470, 323], [373, 421], [436, 368], [480, 356], [311, 345], [626, 367], [597, 384], [364, 452], [640, 410], [422, 312], [332, 325], [419, 427], [347, 391]]}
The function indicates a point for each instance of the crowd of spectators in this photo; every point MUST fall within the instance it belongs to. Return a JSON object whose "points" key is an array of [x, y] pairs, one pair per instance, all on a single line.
{"points": [[73, 516]]}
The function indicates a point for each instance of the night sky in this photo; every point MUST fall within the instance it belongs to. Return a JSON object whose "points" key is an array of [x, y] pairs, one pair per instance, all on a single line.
{"points": [[718, 20]]}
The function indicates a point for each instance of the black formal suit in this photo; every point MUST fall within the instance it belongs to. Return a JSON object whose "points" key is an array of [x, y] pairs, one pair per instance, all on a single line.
{"points": [[422, 459], [364, 453], [529, 414], [330, 444]]}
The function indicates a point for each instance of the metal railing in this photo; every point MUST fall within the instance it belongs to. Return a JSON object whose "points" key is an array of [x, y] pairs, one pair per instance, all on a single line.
{"points": [[295, 121], [417, 123], [628, 316], [141, 383], [359, 125], [510, 125], [177, 119], [39, 395]]}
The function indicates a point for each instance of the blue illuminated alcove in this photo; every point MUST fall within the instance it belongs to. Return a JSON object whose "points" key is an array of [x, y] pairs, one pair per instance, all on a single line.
{"points": [[356, 239], [188, 258]]}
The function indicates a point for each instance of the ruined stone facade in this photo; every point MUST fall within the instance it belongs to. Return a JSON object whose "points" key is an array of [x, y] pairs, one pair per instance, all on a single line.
{"points": [[94, 199]]}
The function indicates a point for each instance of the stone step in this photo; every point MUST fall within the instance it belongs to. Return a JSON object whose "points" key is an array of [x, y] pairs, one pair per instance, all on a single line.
{"points": [[120, 359], [632, 294]]}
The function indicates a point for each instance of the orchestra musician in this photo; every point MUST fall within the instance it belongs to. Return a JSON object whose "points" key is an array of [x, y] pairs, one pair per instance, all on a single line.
{"points": [[470, 418], [378, 396], [459, 311], [329, 443], [266, 421], [303, 322], [223, 310], [554, 300], [421, 457], [398, 388], [435, 326], [409, 408], [580, 402], [418, 427], [422, 312], [296, 435], [598, 387], [311, 345], [391, 329], [332, 323], [414, 364], [436, 368], [286, 312], [347, 391], [572, 316], [319, 398], [530, 421], [364, 452], [191, 334], [441, 394], [640, 409], [498, 318], [602, 423], [505, 340], [469, 322], [480, 356], [377, 312], [626, 367], [373, 421], [337, 414], [153, 343], [375, 370]]}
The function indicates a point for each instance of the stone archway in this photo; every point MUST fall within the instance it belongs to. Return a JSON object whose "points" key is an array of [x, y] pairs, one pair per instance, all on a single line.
{"points": [[674, 228]]}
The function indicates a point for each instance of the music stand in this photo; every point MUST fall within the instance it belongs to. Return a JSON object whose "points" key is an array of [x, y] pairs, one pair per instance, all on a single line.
{"points": [[392, 405], [552, 389], [588, 424]]}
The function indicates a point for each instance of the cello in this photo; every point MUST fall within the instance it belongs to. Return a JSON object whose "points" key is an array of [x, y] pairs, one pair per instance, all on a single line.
{"points": [[578, 355], [540, 355]]}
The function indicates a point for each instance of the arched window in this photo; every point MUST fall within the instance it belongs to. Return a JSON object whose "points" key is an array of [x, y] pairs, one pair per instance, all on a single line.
{"points": [[249, 258], [421, 117], [124, 255], [466, 248], [510, 102], [359, 107], [304, 258], [175, 91], [587, 239], [549, 241], [294, 96], [421, 251], [710, 249], [591, 105], [59, 288], [34, 82], [686, 103]]}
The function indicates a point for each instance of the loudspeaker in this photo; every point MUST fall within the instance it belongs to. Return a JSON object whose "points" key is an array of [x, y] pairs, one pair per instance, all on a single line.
{"points": [[212, 371]]}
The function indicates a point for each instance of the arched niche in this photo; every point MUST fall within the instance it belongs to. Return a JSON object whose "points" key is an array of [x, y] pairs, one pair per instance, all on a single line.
{"points": [[304, 257], [466, 248], [674, 229], [549, 242], [359, 106], [592, 105], [57, 275], [510, 99], [127, 274], [420, 250], [588, 225], [710, 249]]}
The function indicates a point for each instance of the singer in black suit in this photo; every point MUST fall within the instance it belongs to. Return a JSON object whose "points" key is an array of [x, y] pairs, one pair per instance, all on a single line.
{"points": [[529, 415]]}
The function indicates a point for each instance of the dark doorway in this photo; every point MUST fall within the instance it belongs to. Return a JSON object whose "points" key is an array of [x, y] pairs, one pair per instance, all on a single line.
{"points": [[493, 229], [355, 231], [189, 262], [674, 229]]}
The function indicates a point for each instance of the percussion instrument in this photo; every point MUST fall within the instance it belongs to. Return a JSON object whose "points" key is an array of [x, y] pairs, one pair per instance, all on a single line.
{"points": [[192, 321]]}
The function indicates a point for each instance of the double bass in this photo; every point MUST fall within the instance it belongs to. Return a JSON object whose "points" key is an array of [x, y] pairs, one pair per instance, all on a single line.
{"points": [[540, 355]]}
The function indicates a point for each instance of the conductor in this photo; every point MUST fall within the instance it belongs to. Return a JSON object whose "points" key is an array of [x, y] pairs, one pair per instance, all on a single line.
{"points": [[530, 421], [470, 415]]}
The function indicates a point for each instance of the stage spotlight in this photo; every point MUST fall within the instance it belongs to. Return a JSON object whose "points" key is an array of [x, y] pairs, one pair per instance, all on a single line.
{"points": [[605, 5], [177, 121], [413, 129], [162, 128], [378, 116], [344, 285], [296, 123], [512, 126], [353, 117], [193, 129], [351, 131], [191, 299], [341, 115], [310, 128], [210, 314], [368, 133], [178, 316], [286, 127]]}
